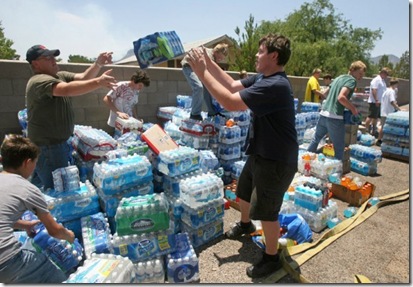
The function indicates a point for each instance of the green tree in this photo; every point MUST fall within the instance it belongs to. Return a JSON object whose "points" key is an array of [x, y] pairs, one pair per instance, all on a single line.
{"points": [[402, 69], [248, 47], [80, 59], [6, 51], [384, 62], [320, 38]]}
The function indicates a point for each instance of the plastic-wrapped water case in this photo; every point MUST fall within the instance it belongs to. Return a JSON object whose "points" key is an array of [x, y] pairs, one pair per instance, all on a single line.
{"points": [[317, 220], [200, 189], [208, 161], [229, 151], [183, 264], [139, 247], [393, 148], [178, 161], [310, 107], [229, 135], [66, 206], [142, 214], [134, 147], [394, 129], [104, 268], [362, 167], [119, 174], [204, 213], [307, 197], [166, 113], [199, 128], [400, 118], [194, 141], [367, 139], [237, 168], [150, 271], [321, 166], [157, 48], [66, 178], [365, 154], [173, 130], [92, 143], [204, 234], [64, 254], [96, 234], [127, 125], [171, 183], [110, 203], [184, 101]]}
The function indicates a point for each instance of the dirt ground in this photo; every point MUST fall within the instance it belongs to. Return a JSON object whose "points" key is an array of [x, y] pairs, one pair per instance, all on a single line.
{"points": [[378, 248]]}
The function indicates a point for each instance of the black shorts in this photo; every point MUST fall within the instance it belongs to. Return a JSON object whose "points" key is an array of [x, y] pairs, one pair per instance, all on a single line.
{"points": [[374, 111], [263, 183]]}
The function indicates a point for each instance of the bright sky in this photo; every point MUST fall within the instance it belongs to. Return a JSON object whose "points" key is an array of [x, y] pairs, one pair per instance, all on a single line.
{"points": [[88, 27]]}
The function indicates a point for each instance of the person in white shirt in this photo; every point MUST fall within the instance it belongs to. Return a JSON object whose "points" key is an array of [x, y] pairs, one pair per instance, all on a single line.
{"points": [[377, 88], [388, 106], [121, 100]]}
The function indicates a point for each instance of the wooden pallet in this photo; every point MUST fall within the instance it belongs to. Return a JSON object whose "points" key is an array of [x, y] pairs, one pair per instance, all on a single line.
{"points": [[395, 156]]}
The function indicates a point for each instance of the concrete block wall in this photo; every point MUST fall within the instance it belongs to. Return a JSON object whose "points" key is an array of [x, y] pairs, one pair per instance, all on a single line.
{"points": [[166, 84]]}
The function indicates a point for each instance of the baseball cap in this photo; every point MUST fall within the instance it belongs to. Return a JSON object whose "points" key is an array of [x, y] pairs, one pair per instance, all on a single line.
{"points": [[39, 50]]}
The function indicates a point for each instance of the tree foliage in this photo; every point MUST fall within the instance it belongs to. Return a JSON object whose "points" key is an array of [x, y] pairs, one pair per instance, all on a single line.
{"points": [[248, 46], [402, 69], [6, 51], [320, 38], [80, 59]]}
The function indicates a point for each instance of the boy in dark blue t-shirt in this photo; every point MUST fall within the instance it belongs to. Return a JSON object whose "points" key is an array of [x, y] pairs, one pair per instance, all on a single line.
{"points": [[272, 150]]}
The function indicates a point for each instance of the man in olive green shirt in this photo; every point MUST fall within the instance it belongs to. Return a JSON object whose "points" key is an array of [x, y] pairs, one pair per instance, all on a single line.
{"points": [[50, 114]]}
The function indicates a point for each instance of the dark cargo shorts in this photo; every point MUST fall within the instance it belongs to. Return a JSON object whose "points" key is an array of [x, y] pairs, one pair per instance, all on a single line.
{"points": [[263, 183], [374, 111]]}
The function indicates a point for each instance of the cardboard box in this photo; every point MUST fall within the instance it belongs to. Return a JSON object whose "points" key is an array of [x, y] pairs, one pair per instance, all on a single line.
{"points": [[355, 198], [158, 140], [346, 166], [350, 136]]}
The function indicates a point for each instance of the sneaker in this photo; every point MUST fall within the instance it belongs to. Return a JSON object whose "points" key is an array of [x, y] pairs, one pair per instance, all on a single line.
{"points": [[378, 143], [196, 117], [263, 268], [237, 230]]}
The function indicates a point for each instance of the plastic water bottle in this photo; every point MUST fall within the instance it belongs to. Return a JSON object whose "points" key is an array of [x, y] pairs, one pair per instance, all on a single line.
{"points": [[349, 211]]}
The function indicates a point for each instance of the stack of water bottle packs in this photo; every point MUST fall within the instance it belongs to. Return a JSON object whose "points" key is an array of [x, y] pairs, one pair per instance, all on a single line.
{"points": [[96, 234], [304, 122], [365, 139], [92, 143], [364, 160], [310, 107], [71, 199], [122, 176], [396, 134], [143, 228], [311, 201], [318, 165], [178, 161], [182, 265]]}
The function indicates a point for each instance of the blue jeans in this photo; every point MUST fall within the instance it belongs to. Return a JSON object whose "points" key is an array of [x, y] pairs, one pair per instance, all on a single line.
{"points": [[51, 157], [336, 131], [199, 93], [30, 267]]}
